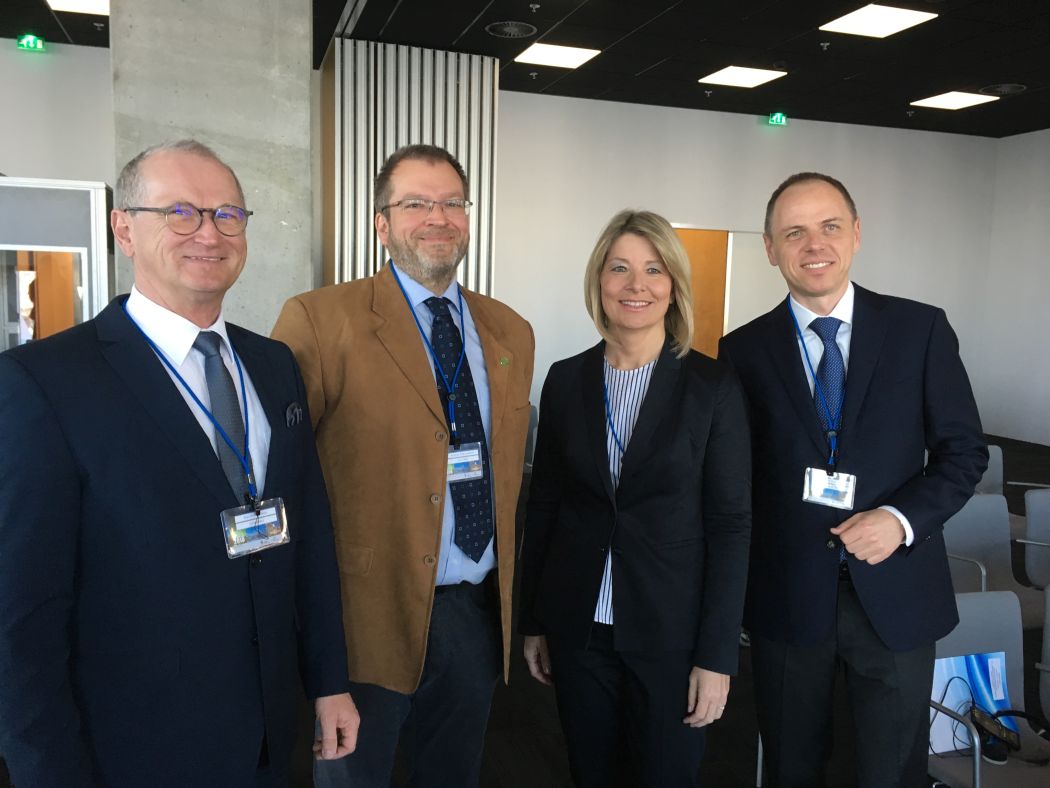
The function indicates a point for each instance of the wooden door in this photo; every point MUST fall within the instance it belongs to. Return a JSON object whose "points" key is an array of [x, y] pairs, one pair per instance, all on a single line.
{"points": [[708, 252], [53, 296]]}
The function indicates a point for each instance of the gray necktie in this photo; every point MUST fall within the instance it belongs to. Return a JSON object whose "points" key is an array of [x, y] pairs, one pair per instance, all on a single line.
{"points": [[226, 408]]}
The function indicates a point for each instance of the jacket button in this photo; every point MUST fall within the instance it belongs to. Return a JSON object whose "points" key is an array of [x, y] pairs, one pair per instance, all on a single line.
{"points": [[256, 560], [429, 560], [830, 544], [435, 498], [255, 640], [440, 435]]}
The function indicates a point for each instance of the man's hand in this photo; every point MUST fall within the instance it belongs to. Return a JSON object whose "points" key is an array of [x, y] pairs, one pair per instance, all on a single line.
{"points": [[707, 697], [871, 536], [538, 659], [339, 721]]}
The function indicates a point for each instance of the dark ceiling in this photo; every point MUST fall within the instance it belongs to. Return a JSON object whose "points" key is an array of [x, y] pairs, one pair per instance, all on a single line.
{"points": [[654, 51]]}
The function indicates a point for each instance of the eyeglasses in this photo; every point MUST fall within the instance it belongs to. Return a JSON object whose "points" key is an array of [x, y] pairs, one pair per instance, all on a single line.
{"points": [[185, 219], [417, 207]]}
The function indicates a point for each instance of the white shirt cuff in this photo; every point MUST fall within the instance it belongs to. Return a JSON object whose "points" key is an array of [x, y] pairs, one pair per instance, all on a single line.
{"points": [[909, 534]]}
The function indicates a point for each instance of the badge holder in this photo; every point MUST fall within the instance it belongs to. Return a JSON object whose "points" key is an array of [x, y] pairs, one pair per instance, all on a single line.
{"points": [[465, 463], [829, 489], [252, 528]]}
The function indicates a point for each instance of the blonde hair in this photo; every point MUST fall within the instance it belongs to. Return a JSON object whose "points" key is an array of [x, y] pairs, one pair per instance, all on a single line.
{"points": [[678, 322]]}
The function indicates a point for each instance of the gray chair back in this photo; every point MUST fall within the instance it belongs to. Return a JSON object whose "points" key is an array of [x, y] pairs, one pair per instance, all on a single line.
{"points": [[1044, 666], [1037, 529], [980, 531], [992, 481]]}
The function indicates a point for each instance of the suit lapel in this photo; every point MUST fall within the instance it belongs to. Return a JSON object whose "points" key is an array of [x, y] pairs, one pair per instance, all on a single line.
{"points": [[787, 360], [498, 359], [866, 340], [655, 406], [124, 347], [399, 334], [592, 403]]}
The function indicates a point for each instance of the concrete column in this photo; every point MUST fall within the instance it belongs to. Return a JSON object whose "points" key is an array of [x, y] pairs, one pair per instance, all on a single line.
{"points": [[235, 75]]}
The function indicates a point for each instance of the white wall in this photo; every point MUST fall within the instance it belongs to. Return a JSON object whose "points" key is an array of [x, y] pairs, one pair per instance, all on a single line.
{"points": [[566, 165], [1013, 380], [58, 113], [754, 285]]}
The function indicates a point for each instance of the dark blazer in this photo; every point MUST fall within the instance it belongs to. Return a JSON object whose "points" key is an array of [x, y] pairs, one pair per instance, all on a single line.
{"points": [[132, 650], [906, 392], [678, 524]]}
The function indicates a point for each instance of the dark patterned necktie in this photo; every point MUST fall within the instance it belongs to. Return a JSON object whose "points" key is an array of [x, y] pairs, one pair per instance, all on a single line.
{"points": [[471, 499], [226, 408], [831, 371]]}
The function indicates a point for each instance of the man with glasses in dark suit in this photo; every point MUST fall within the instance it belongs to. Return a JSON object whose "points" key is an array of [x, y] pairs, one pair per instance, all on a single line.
{"points": [[167, 570]]}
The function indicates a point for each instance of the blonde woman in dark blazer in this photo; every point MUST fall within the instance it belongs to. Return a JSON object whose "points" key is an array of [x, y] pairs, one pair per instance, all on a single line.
{"points": [[634, 558]]}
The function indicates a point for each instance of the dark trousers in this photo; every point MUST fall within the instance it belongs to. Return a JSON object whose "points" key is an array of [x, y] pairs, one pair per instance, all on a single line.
{"points": [[888, 691], [608, 699], [441, 726]]}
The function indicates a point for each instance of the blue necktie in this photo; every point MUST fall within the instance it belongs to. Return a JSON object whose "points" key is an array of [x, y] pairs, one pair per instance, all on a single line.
{"points": [[471, 499], [831, 372], [226, 408]]}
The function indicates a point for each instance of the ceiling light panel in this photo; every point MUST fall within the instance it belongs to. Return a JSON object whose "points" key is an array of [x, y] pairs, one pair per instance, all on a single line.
{"points": [[98, 7], [554, 55], [954, 100], [877, 21], [741, 77]]}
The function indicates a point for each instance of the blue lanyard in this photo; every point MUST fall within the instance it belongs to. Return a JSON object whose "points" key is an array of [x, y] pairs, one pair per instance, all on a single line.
{"points": [[252, 491], [450, 386], [834, 423], [609, 418]]}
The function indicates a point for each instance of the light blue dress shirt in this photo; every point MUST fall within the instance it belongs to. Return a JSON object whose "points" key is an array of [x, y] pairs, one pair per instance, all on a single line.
{"points": [[454, 566]]}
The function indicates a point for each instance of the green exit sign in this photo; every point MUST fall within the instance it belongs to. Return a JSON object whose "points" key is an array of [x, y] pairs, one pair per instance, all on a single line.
{"points": [[778, 119], [31, 43]]}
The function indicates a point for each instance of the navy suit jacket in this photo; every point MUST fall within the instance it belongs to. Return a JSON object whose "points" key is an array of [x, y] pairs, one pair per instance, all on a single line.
{"points": [[906, 393], [132, 650], [678, 524]]}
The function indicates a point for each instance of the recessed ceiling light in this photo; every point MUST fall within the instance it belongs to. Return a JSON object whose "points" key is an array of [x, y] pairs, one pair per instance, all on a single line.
{"points": [[741, 77], [954, 100], [877, 21], [554, 55], [98, 7]]}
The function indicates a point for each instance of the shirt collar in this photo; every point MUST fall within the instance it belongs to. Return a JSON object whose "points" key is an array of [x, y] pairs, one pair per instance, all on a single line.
{"points": [[172, 333], [417, 293], [843, 309]]}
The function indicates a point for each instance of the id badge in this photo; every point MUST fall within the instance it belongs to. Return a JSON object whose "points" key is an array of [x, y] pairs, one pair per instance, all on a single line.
{"points": [[248, 531], [465, 463], [829, 489]]}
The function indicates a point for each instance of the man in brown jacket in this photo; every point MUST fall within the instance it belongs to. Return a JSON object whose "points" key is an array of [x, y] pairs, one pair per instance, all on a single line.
{"points": [[419, 394]]}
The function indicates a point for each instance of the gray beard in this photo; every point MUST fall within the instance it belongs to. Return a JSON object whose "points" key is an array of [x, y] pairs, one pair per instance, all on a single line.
{"points": [[434, 275]]}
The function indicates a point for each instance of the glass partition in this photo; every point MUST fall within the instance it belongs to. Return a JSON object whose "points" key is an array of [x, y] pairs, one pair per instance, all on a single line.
{"points": [[56, 256]]}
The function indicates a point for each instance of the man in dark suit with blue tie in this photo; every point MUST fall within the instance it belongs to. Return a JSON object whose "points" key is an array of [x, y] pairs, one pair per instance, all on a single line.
{"points": [[847, 390], [167, 567]]}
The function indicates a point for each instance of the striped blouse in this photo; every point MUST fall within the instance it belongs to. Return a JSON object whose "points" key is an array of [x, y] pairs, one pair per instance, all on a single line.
{"points": [[625, 391]]}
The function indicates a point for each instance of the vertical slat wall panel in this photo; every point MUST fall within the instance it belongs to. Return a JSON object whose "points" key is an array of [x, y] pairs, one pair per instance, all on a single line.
{"points": [[397, 95]]}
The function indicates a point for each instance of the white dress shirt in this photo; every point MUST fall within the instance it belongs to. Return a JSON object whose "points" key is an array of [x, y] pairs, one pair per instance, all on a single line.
{"points": [[814, 346], [174, 335]]}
